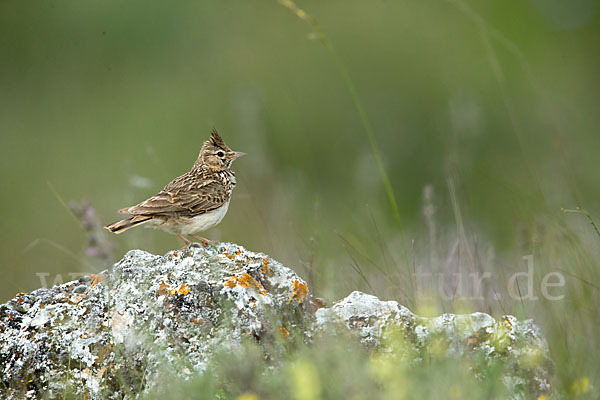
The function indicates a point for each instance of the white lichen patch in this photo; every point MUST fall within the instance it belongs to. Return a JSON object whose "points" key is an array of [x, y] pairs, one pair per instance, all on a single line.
{"points": [[365, 314], [120, 323]]}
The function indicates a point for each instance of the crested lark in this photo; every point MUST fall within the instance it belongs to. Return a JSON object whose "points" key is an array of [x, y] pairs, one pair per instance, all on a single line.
{"points": [[195, 201]]}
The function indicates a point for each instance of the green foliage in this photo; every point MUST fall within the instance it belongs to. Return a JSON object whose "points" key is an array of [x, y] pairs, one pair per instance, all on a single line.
{"points": [[336, 368], [478, 117]]}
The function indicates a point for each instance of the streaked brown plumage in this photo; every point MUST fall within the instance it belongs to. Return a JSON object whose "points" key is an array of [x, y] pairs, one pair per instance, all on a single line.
{"points": [[192, 202]]}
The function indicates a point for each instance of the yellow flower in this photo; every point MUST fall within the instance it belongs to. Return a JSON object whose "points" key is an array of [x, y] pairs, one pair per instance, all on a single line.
{"points": [[247, 396], [306, 384], [581, 386]]}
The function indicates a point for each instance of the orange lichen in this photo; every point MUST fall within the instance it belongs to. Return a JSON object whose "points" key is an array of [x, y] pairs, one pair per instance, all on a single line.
{"points": [[196, 321], [97, 278], [18, 297], [76, 298], [474, 340], [299, 291], [265, 267], [231, 256], [183, 290], [246, 281], [231, 282], [100, 372], [163, 288], [317, 303]]}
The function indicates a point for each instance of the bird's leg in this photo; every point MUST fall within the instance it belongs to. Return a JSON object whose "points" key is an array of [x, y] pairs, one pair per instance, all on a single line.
{"points": [[205, 242], [187, 242]]}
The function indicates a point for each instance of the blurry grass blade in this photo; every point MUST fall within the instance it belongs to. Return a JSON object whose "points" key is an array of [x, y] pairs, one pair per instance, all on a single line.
{"points": [[368, 128], [587, 282], [498, 299], [459, 222], [58, 247], [64, 204], [487, 35], [360, 272], [385, 252], [361, 252], [584, 212], [520, 295]]}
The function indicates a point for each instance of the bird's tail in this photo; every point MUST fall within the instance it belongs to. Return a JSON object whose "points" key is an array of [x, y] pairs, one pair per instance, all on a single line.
{"points": [[124, 224]]}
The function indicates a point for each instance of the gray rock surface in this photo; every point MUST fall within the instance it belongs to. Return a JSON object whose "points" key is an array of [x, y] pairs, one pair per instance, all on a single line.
{"points": [[518, 345], [111, 335]]}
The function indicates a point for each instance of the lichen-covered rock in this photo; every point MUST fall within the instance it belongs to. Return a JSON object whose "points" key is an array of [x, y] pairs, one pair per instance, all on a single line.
{"points": [[389, 326], [111, 335], [108, 335]]}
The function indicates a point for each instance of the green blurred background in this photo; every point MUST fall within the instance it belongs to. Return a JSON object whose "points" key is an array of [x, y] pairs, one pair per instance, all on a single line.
{"points": [[492, 106], [486, 114]]}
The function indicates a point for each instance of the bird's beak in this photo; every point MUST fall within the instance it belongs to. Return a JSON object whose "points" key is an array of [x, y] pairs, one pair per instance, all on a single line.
{"points": [[237, 154]]}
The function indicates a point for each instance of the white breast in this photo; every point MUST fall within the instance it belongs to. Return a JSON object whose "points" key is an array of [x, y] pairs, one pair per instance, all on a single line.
{"points": [[205, 221], [199, 223]]}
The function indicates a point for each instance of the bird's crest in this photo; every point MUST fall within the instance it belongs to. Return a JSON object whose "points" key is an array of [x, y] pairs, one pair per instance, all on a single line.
{"points": [[216, 139]]}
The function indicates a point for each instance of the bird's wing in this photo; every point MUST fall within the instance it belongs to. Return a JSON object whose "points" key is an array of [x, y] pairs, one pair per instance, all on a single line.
{"points": [[183, 200]]}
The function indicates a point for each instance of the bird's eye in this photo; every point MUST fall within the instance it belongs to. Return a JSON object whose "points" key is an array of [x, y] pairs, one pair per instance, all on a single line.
{"points": [[220, 154]]}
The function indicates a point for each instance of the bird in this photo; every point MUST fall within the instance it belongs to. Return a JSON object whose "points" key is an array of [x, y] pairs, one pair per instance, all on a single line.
{"points": [[193, 202]]}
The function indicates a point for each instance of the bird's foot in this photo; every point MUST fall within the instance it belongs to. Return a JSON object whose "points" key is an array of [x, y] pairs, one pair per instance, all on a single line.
{"points": [[205, 242], [187, 243]]}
